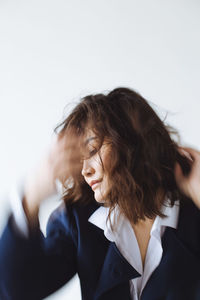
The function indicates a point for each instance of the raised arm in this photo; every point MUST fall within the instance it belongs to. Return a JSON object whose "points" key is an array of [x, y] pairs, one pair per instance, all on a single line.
{"points": [[32, 267]]}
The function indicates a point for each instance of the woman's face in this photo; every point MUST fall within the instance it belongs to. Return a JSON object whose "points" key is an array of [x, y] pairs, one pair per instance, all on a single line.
{"points": [[92, 169]]}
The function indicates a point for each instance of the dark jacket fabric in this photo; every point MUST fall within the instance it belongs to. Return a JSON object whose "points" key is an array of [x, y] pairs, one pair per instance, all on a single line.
{"points": [[32, 268]]}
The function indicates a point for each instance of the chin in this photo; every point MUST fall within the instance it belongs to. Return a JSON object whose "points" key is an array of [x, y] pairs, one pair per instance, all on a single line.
{"points": [[99, 198]]}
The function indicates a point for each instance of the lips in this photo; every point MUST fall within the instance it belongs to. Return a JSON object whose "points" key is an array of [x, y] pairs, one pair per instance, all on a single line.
{"points": [[94, 182]]}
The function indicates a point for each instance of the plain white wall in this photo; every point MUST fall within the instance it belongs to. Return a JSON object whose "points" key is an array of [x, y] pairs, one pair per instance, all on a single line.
{"points": [[53, 52]]}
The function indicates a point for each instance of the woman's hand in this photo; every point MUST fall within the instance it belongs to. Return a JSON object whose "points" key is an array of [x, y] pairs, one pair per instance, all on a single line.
{"points": [[63, 154], [190, 184]]}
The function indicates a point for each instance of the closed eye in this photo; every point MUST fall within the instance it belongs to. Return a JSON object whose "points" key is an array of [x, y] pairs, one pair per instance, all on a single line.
{"points": [[93, 152]]}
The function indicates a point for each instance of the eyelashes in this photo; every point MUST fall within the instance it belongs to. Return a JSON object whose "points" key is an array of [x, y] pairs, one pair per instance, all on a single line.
{"points": [[88, 154], [91, 149], [92, 152]]}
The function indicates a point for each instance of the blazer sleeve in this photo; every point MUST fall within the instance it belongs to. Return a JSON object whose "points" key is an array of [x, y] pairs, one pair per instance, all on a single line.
{"points": [[34, 267]]}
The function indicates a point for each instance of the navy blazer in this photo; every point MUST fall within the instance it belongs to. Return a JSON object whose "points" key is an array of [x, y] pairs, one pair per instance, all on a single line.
{"points": [[33, 268]]}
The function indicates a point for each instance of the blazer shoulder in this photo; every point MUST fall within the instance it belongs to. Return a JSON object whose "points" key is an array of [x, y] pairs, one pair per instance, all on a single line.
{"points": [[69, 216], [76, 209]]}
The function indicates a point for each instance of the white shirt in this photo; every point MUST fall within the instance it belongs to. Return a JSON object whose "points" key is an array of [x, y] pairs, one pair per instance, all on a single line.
{"points": [[125, 239]]}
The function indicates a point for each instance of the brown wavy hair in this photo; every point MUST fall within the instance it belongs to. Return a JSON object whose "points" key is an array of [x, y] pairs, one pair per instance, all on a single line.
{"points": [[141, 171]]}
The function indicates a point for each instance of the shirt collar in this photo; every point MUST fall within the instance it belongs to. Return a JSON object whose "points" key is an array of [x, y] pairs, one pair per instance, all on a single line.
{"points": [[99, 218]]}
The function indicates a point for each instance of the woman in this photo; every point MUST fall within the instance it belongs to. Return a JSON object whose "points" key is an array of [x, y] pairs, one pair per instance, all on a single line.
{"points": [[129, 224]]}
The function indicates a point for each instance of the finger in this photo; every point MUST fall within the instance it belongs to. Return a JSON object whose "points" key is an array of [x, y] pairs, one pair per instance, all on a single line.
{"points": [[189, 152], [183, 152], [195, 155]]}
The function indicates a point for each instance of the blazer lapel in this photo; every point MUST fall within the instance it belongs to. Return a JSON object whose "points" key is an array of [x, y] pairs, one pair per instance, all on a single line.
{"points": [[115, 270], [180, 260]]}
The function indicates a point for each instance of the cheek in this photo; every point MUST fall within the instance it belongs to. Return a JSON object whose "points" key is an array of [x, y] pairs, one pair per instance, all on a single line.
{"points": [[102, 161], [107, 167], [98, 166], [96, 163], [105, 183], [106, 159]]}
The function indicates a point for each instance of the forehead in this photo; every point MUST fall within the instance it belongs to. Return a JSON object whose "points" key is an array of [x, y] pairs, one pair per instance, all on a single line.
{"points": [[91, 135]]}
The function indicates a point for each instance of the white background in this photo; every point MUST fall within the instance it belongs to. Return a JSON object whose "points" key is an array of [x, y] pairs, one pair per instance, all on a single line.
{"points": [[54, 52]]}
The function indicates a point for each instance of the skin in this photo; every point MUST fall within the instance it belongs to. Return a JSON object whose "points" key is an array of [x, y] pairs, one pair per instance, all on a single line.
{"points": [[92, 168], [40, 184], [190, 185]]}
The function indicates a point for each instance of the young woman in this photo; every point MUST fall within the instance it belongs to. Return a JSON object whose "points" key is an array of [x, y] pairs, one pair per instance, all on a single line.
{"points": [[129, 224]]}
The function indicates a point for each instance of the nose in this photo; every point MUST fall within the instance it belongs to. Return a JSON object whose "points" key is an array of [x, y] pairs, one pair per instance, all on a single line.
{"points": [[87, 169]]}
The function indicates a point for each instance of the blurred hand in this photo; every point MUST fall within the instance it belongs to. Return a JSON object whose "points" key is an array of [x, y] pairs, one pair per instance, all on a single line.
{"points": [[190, 185], [62, 159]]}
